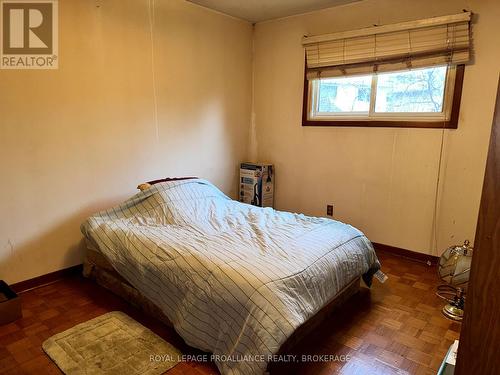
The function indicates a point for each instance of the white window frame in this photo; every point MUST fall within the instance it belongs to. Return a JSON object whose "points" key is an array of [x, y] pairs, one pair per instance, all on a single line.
{"points": [[371, 115]]}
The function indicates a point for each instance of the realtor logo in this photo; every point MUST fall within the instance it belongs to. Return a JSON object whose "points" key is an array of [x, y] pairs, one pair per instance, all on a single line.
{"points": [[29, 37]]}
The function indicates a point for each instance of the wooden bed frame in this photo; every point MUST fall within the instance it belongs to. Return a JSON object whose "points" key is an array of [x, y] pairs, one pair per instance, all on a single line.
{"points": [[97, 268]]}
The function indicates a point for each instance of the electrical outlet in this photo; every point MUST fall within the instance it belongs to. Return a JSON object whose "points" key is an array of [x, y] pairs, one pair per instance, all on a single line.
{"points": [[329, 210]]}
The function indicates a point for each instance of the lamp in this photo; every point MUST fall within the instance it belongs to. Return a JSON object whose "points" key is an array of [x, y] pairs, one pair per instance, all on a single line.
{"points": [[454, 269]]}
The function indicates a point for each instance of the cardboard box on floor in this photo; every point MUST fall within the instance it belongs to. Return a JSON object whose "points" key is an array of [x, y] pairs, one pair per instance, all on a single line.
{"points": [[10, 304], [257, 184]]}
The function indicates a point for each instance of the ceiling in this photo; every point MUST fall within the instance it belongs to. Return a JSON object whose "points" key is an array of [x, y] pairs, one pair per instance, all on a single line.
{"points": [[262, 10]]}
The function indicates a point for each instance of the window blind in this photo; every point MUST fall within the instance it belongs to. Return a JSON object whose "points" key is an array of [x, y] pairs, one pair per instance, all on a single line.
{"points": [[433, 41]]}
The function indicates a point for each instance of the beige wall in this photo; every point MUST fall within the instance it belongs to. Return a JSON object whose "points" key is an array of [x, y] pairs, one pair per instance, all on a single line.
{"points": [[380, 180], [78, 139]]}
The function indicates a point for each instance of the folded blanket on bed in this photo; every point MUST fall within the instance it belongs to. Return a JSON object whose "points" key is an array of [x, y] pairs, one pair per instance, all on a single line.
{"points": [[234, 279]]}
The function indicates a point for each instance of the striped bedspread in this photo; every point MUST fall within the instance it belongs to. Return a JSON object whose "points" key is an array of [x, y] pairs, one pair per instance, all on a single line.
{"points": [[235, 280]]}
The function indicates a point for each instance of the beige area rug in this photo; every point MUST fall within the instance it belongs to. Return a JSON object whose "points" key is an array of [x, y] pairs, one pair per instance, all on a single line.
{"points": [[112, 343]]}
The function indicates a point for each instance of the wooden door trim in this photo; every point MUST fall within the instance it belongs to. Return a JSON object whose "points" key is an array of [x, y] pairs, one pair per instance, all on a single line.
{"points": [[480, 335]]}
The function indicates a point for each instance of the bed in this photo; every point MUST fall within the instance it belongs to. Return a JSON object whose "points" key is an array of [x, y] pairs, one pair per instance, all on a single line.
{"points": [[232, 279]]}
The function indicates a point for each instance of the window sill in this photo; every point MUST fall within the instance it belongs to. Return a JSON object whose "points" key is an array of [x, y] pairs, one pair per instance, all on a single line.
{"points": [[451, 124]]}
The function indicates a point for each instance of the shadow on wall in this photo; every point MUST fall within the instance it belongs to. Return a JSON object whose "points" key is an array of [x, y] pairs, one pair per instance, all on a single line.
{"points": [[60, 247]]}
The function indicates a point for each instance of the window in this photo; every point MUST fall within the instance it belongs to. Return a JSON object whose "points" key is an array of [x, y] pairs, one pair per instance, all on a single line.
{"points": [[415, 98], [337, 96], [420, 91], [401, 75]]}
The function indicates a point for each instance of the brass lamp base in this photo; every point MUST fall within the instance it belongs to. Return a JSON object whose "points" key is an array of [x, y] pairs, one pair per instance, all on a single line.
{"points": [[455, 297], [453, 312]]}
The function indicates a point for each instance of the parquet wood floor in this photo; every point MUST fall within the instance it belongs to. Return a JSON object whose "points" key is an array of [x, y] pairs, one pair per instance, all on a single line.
{"points": [[394, 328]]}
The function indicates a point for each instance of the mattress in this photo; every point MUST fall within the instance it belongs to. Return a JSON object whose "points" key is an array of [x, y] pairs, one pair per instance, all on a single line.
{"points": [[97, 268], [234, 280]]}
